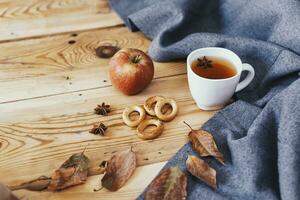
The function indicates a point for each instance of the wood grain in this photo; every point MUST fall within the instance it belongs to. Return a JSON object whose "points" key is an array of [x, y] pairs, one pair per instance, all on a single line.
{"points": [[133, 188], [31, 18], [50, 84], [43, 144], [47, 66]]}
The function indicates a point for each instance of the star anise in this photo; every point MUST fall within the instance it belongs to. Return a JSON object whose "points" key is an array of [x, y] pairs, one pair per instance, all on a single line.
{"points": [[102, 109], [204, 63], [98, 129]]}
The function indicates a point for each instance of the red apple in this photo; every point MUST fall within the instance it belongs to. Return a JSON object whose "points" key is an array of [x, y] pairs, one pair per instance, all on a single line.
{"points": [[131, 71]]}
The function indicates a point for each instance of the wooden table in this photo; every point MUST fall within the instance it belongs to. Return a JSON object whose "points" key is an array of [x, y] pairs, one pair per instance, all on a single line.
{"points": [[50, 82]]}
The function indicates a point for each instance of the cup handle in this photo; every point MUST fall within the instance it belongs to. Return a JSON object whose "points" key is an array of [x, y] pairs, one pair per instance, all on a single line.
{"points": [[248, 79]]}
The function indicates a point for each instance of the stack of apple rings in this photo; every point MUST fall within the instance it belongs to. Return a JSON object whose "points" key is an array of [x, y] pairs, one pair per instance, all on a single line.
{"points": [[153, 106]]}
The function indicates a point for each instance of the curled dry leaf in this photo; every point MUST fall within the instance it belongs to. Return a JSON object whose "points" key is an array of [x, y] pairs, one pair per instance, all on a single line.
{"points": [[43, 182], [119, 169], [170, 184], [72, 172], [6, 194], [204, 143], [201, 170], [38, 184]]}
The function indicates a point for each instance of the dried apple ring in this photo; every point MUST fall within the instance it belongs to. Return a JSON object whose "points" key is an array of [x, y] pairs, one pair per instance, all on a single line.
{"points": [[160, 104], [149, 102], [131, 109], [147, 135]]}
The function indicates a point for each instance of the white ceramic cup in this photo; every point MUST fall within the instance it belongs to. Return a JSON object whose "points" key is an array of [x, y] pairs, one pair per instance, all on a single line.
{"points": [[213, 94]]}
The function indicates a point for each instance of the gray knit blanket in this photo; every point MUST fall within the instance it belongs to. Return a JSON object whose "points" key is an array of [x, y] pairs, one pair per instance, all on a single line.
{"points": [[259, 134]]}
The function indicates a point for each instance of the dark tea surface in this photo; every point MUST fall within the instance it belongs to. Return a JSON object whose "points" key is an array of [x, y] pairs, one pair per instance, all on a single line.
{"points": [[213, 68]]}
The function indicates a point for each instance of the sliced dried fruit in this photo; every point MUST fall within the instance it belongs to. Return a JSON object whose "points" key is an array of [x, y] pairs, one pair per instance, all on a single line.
{"points": [[131, 109], [199, 168], [170, 184], [159, 107], [149, 104], [204, 143], [119, 169], [154, 133]]}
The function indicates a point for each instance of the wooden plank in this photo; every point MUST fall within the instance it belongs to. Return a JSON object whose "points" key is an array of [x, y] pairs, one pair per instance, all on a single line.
{"points": [[30, 18], [48, 66], [59, 126], [133, 188], [49, 87]]}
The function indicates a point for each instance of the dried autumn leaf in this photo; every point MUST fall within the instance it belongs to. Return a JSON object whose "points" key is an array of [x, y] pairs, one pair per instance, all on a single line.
{"points": [[201, 170], [170, 184], [204, 143], [72, 172], [38, 184], [43, 182], [6, 194], [119, 169]]}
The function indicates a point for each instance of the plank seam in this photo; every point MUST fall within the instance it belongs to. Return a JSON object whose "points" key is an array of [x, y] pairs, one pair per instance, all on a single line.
{"points": [[75, 91]]}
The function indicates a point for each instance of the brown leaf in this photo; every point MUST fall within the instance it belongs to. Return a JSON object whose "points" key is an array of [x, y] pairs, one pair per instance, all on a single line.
{"points": [[204, 143], [119, 169], [170, 184], [43, 182], [6, 194], [38, 184], [72, 172], [201, 170]]}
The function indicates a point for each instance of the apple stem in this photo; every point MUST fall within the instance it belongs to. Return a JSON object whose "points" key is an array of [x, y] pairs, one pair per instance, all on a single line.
{"points": [[188, 125], [136, 59]]}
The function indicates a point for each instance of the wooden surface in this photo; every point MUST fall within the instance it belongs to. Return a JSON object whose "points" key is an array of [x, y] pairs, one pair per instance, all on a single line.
{"points": [[49, 88], [33, 18]]}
